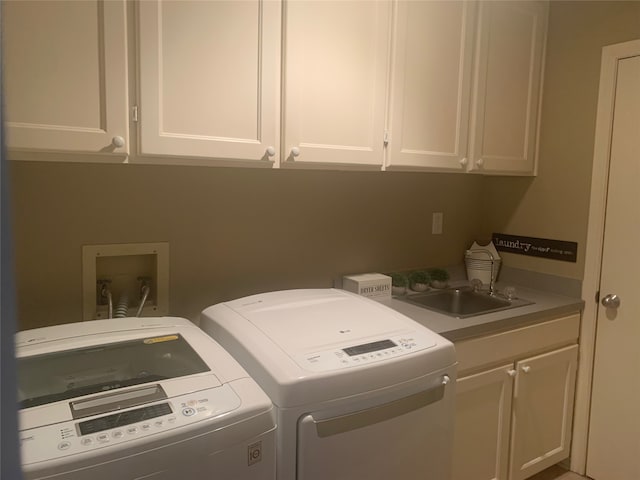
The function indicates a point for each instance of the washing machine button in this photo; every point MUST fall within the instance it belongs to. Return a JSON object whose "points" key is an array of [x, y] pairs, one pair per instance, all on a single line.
{"points": [[188, 411]]}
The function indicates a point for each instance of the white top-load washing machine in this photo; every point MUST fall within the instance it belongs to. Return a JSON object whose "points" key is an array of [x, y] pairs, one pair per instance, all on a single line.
{"points": [[134, 398], [361, 391]]}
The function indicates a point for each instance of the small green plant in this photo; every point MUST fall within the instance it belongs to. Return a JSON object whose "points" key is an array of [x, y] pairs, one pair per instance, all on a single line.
{"points": [[438, 274], [399, 279], [419, 276]]}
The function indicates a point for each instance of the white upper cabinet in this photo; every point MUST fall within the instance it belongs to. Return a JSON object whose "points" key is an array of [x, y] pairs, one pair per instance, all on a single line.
{"points": [[209, 79], [431, 85], [386, 84], [506, 95], [65, 76], [336, 56]]}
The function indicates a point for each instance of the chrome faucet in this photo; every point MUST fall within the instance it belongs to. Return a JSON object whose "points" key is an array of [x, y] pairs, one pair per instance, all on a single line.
{"points": [[493, 260]]}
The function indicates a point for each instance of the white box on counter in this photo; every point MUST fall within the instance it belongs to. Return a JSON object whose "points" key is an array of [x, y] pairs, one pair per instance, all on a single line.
{"points": [[372, 285]]}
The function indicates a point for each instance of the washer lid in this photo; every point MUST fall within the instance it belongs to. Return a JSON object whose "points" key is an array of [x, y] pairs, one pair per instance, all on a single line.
{"points": [[308, 346], [300, 321], [60, 364], [78, 372]]}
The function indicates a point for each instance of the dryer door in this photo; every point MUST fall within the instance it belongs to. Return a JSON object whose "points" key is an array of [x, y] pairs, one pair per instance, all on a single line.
{"points": [[409, 438]]}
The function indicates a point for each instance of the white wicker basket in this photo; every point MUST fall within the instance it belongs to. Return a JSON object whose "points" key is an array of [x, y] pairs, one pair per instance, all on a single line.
{"points": [[480, 268]]}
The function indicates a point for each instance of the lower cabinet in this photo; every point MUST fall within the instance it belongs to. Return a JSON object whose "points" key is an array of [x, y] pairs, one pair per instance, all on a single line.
{"points": [[514, 401], [542, 411], [483, 417]]}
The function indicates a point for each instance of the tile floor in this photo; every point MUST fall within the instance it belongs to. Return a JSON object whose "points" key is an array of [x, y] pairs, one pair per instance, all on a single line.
{"points": [[557, 473]]}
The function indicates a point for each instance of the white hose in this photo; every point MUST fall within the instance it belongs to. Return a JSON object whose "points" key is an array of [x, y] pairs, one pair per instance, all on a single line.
{"points": [[122, 309]]}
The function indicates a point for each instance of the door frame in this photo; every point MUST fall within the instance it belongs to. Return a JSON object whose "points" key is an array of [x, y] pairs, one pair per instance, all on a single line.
{"points": [[595, 240]]}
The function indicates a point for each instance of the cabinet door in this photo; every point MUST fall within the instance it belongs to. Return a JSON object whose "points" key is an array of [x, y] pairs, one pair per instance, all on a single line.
{"points": [[510, 48], [335, 80], [542, 411], [482, 425], [431, 85], [65, 76], [209, 79]]}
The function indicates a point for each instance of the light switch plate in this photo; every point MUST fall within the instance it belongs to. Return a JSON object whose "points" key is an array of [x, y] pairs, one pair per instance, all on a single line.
{"points": [[436, 223]]}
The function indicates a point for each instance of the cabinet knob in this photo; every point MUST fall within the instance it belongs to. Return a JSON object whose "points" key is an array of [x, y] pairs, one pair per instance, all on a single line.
{"points": [[271, 151], [464, 162], [117, 141], [512, 373], [526, 368], [445, 379], [480, 163], [295, 152]]}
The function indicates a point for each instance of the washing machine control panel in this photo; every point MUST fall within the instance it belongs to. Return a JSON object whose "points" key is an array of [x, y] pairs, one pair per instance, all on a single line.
{"points": [[378, 350], [83, 436]]}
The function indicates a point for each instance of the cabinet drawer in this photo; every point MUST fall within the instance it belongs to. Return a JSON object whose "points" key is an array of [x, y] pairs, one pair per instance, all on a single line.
{"points": [[514, 344]]}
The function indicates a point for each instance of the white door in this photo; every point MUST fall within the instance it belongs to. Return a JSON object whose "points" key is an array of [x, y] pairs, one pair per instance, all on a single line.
{"points": [[65, 76], [335, 80], [614, 434], [209, 79], [431, 82]]}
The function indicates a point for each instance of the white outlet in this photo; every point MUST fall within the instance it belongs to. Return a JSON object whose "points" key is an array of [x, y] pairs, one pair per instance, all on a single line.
{"points": [[436, 223]]}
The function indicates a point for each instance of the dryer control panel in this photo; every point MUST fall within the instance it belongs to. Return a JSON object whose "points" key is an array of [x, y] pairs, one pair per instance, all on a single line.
{"points": [[115, 429], [379, 350]]}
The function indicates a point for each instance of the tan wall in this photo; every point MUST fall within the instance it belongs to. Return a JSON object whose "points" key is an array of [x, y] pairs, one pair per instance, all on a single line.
{"points": [[556, 203], [232, 232]]}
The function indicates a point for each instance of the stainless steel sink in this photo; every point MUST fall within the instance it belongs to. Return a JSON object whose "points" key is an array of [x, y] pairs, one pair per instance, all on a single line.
{"points": [[463, 302]]}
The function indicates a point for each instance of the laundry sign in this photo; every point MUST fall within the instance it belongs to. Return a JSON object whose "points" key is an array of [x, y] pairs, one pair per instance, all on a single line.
{"points": [[536, 247]]}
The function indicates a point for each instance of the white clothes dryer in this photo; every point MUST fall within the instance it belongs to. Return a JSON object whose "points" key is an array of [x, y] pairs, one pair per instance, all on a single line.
{"points": [[139, 398], [361, 391]]}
